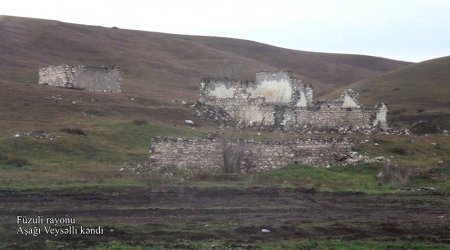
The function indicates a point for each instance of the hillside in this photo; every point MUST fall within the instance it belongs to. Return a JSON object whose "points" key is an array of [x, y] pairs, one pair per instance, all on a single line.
{"points": [[418, 89], [167, 66]]}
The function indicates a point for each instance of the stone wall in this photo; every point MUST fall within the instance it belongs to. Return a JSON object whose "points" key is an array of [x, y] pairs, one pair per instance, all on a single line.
{"points": [[207, 153], [329, 119], [81, 77], [218, 88]]}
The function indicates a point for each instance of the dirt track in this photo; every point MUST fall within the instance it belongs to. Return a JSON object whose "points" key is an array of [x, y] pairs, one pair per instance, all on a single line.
{"points": [[137, 214]]}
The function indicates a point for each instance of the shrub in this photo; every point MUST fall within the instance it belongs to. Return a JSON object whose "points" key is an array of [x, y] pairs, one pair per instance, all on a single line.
{"points": [[424, 128], [139, 122], [74, 131], [395, 175], [399, 151], [3, 157]]}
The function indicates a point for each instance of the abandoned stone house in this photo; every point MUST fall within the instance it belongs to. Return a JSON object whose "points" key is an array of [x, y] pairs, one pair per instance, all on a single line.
{"points": [[274, 100], [280, 101], [102, 79]]}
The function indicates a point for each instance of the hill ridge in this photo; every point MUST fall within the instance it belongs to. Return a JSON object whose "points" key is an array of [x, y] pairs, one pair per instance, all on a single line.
{"points": [[159, 62]]}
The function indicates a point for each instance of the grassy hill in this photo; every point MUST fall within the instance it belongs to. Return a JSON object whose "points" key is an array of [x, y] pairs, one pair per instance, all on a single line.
{"points": [[167, 66], [160, 68], [416, 92], [422, 86]]}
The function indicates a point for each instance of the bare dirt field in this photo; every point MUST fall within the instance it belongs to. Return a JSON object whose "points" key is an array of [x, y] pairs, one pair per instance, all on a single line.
{"points": [[143, 216]]}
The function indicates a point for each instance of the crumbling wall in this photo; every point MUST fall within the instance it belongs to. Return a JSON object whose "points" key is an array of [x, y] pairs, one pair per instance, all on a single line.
{"points": [[207, 153], [350, 99], [308, 91], [218, 88], [98, 79], [381, 116], [59, 76], [331, 119], [82, 77]]}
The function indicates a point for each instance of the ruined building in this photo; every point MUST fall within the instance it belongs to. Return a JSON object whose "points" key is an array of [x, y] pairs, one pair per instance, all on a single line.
{"points": [[275, 100], [278, 100], [102, 79]]}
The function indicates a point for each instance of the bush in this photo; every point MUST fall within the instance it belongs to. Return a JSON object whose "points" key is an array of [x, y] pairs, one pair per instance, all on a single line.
{"points": [[16, 161], [139, 122], [3, 157], [74, 131], [425, 128], [399, 151], [395, 175]]}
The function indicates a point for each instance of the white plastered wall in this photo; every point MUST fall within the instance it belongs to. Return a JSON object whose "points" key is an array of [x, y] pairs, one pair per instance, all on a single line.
{"points": [[273, 91]]}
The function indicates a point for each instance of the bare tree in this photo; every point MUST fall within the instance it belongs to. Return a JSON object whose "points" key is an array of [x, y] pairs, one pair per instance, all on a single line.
{"points": [[229, 70], [395, 175], [233, 154]]}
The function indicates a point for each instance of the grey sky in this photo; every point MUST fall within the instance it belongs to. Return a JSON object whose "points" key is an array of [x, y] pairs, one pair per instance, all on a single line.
{"points": [[411, 30]]}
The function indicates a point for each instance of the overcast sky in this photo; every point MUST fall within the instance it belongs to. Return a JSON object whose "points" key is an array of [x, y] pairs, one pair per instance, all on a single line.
{"points": [[410, 30]]}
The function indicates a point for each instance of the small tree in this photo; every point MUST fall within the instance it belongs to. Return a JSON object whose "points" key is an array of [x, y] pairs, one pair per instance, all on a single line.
{"points": [[229, 70]]}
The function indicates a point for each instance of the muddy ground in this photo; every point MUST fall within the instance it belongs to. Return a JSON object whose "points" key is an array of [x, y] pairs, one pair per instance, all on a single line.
{"points": [[144, 215]]}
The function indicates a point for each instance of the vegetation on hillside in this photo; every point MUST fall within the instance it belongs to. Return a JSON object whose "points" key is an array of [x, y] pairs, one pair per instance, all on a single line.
{"points": [[166, 66]]}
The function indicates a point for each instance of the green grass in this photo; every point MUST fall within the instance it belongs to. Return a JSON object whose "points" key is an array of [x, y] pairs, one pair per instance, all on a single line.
{"points": [[305, 244], [343, 178], [412, 151], [288, 244], [428, 157], [70, 160], [350, 178]]}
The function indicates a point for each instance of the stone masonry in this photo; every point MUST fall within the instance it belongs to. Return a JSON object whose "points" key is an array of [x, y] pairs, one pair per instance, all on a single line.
{"points": [[277, 100], [208, 153], [102, 79]]}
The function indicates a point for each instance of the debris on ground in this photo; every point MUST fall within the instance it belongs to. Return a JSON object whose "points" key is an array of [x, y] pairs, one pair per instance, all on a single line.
{"points": [[39, 134]]}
